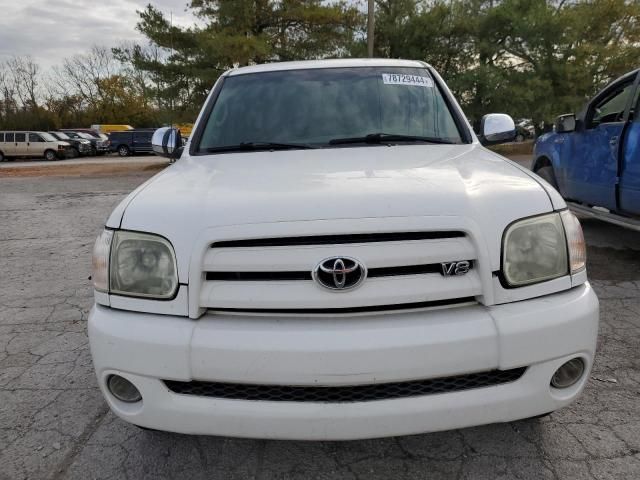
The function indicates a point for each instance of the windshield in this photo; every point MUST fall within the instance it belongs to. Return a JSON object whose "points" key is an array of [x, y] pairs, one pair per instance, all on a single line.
{"points": [[61, 136], [319, 106], [47, 137], [85, 135]]}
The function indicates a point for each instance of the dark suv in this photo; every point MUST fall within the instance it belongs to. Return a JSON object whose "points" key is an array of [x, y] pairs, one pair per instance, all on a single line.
{"points": [[131, 142], [79, 146], [99, 142]]}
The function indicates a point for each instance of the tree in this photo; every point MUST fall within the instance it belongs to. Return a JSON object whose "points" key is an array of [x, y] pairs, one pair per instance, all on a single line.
{"points": [[235, 33], [529, 58]]}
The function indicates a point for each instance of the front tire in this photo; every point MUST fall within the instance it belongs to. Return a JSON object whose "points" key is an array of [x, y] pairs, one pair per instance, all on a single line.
{"points": [[124, 151], [2, 157], [548, 175], [50, 156]]}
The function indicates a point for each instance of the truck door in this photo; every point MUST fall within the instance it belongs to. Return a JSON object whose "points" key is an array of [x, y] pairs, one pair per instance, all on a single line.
{"points": [[630, 164], [142, 141], [9, 144], [21, 148], [592, 166], [35, 145]]}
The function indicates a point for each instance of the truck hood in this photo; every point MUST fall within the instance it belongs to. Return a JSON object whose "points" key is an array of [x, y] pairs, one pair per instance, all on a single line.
{"points": [[202, 192]]}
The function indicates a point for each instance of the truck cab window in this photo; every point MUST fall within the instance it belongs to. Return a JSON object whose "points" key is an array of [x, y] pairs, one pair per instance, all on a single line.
{"points": [[611, 108]]}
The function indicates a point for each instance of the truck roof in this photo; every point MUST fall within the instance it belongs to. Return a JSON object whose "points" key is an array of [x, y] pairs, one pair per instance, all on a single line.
{"points": [[333, 63]]}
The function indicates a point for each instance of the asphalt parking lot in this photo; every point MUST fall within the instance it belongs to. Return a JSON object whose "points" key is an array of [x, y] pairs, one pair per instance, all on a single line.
{"points": [[54, 423]]}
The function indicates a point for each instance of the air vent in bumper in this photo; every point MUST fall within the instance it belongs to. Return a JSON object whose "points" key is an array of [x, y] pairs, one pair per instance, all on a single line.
{"points": [[345, 394]]}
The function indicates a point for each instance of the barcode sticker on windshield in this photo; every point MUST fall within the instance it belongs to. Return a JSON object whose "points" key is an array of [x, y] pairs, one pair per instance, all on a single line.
{"points": [[403, 79]]}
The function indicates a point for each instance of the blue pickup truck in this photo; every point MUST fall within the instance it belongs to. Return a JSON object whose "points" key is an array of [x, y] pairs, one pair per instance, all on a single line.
{"points": [[593, 158]]}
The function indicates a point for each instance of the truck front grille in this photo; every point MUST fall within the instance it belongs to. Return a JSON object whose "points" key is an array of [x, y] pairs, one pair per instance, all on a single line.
{"points": [[345, 394], [275, 274]]}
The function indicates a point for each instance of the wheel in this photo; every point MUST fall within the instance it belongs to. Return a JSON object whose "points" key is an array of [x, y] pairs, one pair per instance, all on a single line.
{"points": [[75, 153], [2, 157], [548, 175], [123, 151], [520, 138], [50, 155]]}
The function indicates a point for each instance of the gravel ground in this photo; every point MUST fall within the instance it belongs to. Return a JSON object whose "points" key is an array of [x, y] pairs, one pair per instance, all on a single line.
{"points": [[54, 423], [84, 167], [102, 159]]}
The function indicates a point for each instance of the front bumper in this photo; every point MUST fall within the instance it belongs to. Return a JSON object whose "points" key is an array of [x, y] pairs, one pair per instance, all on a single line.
{"points": [[100, 148], [540, 334]]}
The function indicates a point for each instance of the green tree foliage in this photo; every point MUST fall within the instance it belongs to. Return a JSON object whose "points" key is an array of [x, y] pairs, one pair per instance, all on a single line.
{"points": [[236, 33], [530, 58]]}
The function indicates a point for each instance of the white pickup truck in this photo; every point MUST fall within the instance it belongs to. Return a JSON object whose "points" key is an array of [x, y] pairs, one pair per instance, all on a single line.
{"points": [[336, 256]]}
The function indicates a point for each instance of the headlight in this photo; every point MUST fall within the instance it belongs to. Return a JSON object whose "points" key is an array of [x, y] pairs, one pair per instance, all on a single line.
{"points": [[575, 241], [534, 250], [100, 263], [139, 265]]}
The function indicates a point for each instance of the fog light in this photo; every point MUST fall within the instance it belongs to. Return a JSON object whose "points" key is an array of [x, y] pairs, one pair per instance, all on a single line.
{"points": [[123, 389], [568, 374]]}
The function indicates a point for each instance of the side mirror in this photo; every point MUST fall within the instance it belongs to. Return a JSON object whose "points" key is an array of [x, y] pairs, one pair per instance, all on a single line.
{"points": [[167, 142], [497, 128], [566, 123]]}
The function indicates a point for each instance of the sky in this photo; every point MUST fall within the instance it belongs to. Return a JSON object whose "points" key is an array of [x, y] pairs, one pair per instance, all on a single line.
{"points": [[50, 30]]}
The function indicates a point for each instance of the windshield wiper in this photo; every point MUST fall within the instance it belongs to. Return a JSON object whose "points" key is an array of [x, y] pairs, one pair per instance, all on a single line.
{"points": [[387, 137], [255, 146]]}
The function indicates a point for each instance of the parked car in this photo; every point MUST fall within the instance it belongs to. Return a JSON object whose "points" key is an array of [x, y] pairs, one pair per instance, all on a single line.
{"points": [[80, 147], [337, 256], [524, 129], [92, 132], [99, 142], [15, 144], [131, 142], [593, 158]]}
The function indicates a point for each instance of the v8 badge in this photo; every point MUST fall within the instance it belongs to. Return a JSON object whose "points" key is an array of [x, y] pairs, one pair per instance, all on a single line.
{"points": [[455, 268]]}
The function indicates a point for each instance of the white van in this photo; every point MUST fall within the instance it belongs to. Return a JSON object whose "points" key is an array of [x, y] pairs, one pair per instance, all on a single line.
{"points": [[32, 144]]}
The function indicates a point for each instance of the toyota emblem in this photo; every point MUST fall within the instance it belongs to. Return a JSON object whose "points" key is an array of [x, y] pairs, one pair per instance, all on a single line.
{"points": [[340, 273]]}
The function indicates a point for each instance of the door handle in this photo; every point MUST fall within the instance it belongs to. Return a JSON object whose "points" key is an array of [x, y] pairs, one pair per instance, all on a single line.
{"points": [[613, 141]]}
